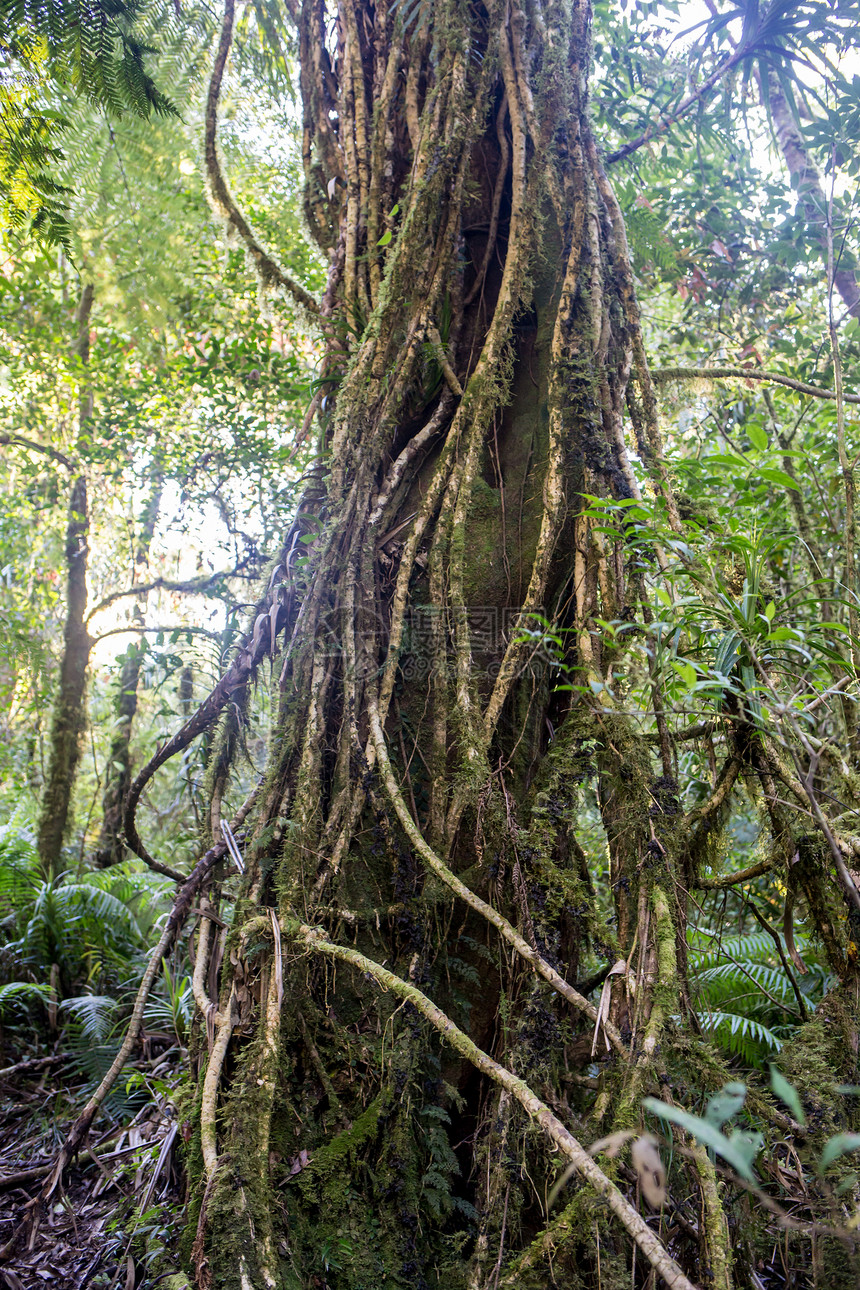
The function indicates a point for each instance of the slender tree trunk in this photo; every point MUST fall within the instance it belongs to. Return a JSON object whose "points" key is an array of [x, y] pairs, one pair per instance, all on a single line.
{"points": [[807, 182], [111, 849], [68, 716]]}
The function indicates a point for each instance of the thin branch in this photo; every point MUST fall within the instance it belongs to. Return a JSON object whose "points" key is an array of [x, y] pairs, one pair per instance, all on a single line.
{"points": [[138, 629], [250, 655], [774, 935], [219, 194], [18, 441], [660, 127], [732, 879], [190, 587], [663, 374]]}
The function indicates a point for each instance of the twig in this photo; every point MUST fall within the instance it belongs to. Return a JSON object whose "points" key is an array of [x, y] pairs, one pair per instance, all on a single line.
{"points": [[18, 441]]}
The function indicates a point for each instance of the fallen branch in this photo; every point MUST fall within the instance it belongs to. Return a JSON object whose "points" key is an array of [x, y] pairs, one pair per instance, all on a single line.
{"points": [[33, 1064]]}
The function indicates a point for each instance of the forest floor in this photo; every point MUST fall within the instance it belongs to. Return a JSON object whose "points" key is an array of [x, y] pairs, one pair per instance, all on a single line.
{"points": [[114, 1223]]}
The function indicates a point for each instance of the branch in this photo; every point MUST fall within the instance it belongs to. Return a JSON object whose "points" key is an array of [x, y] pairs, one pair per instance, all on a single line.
{"points": [[138, 629], [662, 374], [732, 879], [219, 194], [654, 1251], [510, 934], [18, 441], [249, 656], [191, 587], [774, 935], [690, 101]]}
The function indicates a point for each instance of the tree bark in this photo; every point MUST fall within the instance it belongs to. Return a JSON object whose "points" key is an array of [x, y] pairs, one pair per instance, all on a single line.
{"points": [[444, 685], [68, 716], [110, 848]]}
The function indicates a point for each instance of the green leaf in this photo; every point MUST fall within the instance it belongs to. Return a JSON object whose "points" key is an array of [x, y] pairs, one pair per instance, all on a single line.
{"points": [[778, 477], [686, 671], [757, 436], [725, 1104], [787, 1093], [838, 1146], [386, 238], [739, 1154]]}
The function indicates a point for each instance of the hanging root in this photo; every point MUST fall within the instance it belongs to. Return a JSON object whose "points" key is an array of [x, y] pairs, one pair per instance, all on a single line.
{"points": [[209, 1094], [220, 197], [498, 920]]}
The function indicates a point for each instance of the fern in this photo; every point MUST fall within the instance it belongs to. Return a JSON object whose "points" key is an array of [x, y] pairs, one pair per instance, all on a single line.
{"points": [[745, 969], [18, 995], [87, 49]]}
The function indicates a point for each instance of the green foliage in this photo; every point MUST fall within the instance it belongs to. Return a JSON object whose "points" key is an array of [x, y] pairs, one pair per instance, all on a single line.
{"points": [[55, 50], [739, 1148], [744, 999]]}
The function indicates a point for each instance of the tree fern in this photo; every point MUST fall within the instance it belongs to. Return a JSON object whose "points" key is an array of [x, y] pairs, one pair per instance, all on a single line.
{"points": [[54, 52]]}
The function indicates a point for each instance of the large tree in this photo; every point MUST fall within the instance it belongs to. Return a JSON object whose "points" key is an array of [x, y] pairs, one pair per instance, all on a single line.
{"points": [[463, 657]]}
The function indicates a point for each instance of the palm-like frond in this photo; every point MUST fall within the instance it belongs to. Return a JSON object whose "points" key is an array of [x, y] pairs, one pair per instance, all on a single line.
{"points": [[744, 998]]}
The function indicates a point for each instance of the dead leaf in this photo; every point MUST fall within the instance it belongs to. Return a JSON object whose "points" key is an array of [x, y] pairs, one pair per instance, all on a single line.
{"points": [[649, 1167], [611, 1144], [301, 1162]]}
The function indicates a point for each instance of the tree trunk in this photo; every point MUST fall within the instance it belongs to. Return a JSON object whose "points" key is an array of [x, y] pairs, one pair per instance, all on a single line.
{"points": [[398, 984], [111, 849], [68, 716], [807, 182]]}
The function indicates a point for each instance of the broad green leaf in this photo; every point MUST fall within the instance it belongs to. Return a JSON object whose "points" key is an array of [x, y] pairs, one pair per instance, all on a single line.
{"points": [[736, 1154], [757, 436], [775, 476], [686, 671], [787, 1093], [726, 1103], [838, 1146]]}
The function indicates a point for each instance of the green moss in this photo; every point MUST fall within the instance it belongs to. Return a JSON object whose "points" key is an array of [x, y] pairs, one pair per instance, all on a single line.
{"points": [[327, 1175]]}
